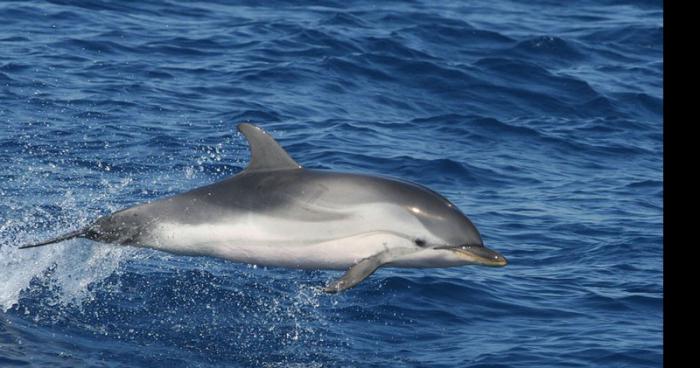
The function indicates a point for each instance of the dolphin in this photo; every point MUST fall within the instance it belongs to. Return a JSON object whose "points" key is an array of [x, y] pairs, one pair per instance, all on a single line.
{"points": [[276, 213]]}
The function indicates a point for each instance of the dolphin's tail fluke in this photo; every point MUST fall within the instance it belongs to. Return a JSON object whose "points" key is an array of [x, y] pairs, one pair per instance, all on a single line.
{"points": [[71, 235]]}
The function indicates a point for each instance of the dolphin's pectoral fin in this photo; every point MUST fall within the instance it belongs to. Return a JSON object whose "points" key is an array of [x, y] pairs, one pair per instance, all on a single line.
{"points": [[362, 269], [355, 274]]}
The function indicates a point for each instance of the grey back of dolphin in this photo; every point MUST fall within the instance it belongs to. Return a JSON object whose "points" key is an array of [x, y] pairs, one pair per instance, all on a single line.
{"points": [[277, 213]]}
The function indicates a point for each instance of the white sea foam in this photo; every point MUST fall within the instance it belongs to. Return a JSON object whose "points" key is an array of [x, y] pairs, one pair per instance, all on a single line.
{"points": [[74, 265], [68, 266]]}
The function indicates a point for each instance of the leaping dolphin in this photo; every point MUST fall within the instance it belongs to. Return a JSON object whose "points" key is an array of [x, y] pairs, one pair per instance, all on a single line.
{"points": [[276, 213]]}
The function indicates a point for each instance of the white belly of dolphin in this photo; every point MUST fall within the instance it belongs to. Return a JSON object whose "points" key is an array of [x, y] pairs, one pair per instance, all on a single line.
{"points": [[265, 240], [249, 243]]}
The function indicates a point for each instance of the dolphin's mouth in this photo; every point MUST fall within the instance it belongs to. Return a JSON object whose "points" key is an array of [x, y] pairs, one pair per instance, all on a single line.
{"points": [[478, 254]]}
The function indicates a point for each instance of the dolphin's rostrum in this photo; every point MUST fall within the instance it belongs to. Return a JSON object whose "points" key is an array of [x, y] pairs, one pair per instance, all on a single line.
{"points": [[277, 213]]}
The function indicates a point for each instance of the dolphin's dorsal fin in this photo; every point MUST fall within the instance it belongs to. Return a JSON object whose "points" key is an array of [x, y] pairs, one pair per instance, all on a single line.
{"points": [[265, 153]]}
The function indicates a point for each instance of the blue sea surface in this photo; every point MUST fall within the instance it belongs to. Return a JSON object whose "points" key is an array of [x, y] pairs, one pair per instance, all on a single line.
{"points": [[541, 120]]}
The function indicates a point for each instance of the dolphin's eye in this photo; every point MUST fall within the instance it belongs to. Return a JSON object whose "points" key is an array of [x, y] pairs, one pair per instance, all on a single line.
{"points": [[420, 242]]}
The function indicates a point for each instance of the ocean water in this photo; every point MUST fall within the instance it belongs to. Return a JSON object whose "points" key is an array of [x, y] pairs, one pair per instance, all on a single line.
{"points": [[541, 120]]}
